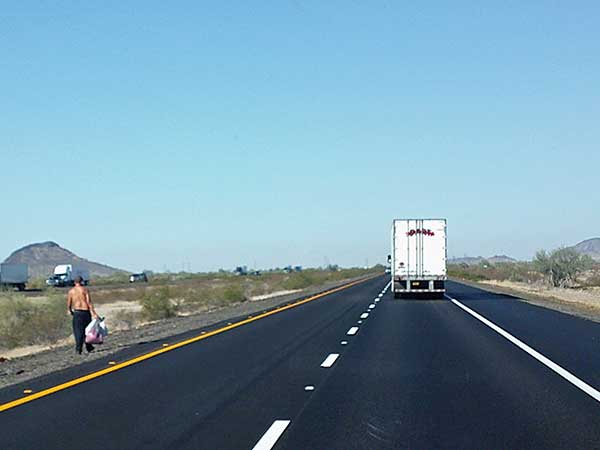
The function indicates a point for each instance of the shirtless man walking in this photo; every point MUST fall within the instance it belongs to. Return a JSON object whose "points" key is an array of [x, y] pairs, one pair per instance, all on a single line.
{"points": [[79, 305]]}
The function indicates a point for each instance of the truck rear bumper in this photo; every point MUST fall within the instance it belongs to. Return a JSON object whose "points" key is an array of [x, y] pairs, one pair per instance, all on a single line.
{"points": [[407, 286]]}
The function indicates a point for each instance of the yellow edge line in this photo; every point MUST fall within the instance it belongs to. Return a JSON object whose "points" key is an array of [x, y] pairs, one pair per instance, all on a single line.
{"points": [[152, 354]]}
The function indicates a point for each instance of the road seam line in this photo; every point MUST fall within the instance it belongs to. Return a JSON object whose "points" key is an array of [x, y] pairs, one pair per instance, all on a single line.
{"points": [[589, 390]]}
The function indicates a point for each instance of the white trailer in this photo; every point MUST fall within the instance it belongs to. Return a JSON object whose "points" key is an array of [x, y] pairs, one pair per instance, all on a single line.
{"points": [[14, 275], [418, 259]]}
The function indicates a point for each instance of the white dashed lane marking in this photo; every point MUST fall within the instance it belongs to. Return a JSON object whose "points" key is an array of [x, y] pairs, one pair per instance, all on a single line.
{"points": [[330, 360], [352, 331], [270, 438], [364, 315]]}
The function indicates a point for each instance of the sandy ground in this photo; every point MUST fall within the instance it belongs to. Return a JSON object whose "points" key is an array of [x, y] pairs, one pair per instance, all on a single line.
{"points": [[30, 362], [579, 302]]}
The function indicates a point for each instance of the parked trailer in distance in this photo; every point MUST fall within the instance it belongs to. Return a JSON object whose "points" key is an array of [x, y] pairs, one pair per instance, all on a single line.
{"points": [[418, 259], [14, 275]]}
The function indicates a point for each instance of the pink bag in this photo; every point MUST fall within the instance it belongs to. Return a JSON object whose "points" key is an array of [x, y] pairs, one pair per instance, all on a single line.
{"points": [[93, 333]]}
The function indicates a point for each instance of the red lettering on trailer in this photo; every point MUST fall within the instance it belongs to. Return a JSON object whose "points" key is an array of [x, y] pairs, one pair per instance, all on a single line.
{"points": [[420, 231]]}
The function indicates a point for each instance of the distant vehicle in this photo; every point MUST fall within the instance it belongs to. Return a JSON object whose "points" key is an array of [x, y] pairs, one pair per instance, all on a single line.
{"points": [[138, 278], [388, 270], [241, 270], [65, 274], [418, 259], [14, 276]]}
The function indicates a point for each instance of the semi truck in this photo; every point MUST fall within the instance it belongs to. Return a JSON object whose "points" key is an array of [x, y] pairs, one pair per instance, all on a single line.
{"points": [[65, 274], [418, 258], [14, 276]]}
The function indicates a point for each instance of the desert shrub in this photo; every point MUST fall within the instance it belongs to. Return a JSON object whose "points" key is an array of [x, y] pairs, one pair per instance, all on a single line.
{"points": [[117, 278], [466, 272], [197, 295], [157, 304], [128, 319], [593, 280], [23, 322], [37, 283], [561, 266], [233, 293], [299, 280]]}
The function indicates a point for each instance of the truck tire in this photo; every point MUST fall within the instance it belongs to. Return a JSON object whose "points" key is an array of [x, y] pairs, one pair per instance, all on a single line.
{"points": [[397, 295]]}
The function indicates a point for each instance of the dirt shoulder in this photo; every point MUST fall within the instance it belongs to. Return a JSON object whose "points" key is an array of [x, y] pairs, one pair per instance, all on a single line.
{"points": [[577, 302], [17, 370]]}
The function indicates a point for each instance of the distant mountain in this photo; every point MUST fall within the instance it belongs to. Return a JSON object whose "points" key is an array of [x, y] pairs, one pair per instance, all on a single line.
{"points": [[501, 259], [590, 247], [474, 260], [43, 257]]}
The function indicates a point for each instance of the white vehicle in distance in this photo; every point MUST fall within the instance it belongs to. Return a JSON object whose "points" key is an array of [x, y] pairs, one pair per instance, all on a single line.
{"points": [[418, 258], [65, 274]]}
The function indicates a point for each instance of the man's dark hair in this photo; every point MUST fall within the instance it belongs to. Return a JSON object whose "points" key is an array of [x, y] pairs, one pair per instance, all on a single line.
{"points": [[78, 279]]}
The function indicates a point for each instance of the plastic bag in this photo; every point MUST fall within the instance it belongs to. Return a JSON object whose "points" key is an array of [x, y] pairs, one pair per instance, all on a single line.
{"points": [[91, 326], [103, 327], [93, 333]]}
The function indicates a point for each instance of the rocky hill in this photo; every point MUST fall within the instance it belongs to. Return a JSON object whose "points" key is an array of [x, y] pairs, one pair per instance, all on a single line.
{"points": [[43, 257], [590, 247]]}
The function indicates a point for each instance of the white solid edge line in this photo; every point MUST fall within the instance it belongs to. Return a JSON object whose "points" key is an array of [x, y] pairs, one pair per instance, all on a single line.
{"points": [[272, 435], [330, 360], [537, 355], [352, 331]]}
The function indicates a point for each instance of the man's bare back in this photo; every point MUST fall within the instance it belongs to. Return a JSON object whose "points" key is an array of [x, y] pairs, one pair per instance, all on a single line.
{"points": [[79, 298]]}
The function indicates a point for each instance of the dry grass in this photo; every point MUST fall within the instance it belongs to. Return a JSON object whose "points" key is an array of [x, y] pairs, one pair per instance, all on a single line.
{"points": [[26, 322]]}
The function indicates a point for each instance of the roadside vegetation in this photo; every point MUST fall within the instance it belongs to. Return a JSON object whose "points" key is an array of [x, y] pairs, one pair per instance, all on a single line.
{"points": [[24, 321], [563, 267], [43, 320]]}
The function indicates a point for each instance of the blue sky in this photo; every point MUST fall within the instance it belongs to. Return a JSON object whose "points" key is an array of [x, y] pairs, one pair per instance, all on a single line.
{"points": [[210, 134]]}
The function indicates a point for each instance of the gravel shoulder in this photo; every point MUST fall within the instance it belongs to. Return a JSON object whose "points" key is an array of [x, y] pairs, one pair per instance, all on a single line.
{"points": [[18, 370], [584, 304]]}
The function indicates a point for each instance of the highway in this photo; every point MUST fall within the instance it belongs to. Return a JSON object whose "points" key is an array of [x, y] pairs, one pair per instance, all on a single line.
{"points": [[355, 369]]}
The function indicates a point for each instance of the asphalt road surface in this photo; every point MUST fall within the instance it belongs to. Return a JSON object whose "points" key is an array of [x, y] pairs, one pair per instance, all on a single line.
{"points": [[354, 369]]}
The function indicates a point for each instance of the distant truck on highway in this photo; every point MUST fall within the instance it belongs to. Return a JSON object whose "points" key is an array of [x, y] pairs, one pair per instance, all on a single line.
{"points": [[418, 258], [65, 274], [14, 276]]}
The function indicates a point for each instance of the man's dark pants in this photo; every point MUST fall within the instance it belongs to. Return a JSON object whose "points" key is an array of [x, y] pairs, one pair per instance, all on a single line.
{"points": [[81, 319]]}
